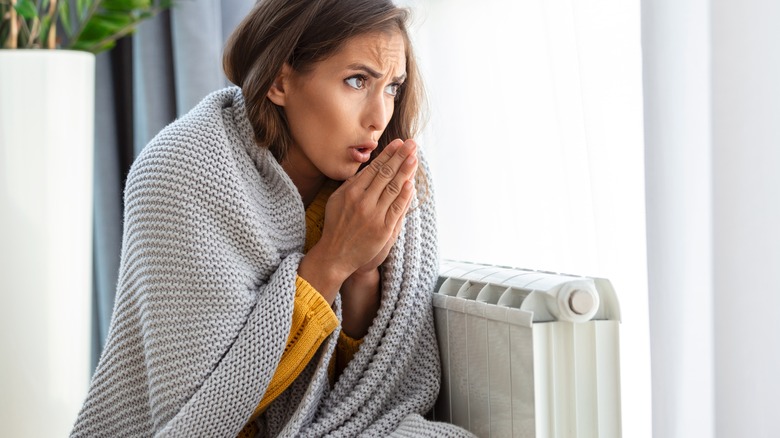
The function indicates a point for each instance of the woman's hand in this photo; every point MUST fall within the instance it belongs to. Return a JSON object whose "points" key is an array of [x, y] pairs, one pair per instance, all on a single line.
{"points": [[360, 293], [375, 262], [362, 219]]}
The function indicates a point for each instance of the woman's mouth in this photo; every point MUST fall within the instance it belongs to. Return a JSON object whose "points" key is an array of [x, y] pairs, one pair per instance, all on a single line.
{"points": [[362, 153]]}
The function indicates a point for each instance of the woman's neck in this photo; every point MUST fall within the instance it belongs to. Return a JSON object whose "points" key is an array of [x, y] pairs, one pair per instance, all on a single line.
{"points": [[308, 185]]}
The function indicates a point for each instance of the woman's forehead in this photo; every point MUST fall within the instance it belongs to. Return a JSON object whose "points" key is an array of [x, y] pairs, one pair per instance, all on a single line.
{"points": [[384, 52]]}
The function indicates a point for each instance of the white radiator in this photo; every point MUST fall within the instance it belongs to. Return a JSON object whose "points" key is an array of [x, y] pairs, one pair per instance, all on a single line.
{"points": [[527, 354]]}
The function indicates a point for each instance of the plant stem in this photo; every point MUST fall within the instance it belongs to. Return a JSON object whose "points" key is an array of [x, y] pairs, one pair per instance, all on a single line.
{"points": [[34, 31], [14, 33], [52, 39]]}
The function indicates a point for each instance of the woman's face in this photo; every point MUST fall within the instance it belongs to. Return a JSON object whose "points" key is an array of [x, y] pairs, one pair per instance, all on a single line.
{"points": [[338, 110]]}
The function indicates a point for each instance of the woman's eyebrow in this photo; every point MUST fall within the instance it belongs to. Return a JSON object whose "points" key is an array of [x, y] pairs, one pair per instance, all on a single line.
{"points": [[373, 73]]}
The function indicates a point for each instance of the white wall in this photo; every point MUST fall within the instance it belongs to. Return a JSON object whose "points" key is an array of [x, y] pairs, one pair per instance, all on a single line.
{"points": [[746, 215]]}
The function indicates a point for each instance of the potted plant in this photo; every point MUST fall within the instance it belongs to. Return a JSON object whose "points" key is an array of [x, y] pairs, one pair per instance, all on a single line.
{"points": [[89, 25], [46, 162]]}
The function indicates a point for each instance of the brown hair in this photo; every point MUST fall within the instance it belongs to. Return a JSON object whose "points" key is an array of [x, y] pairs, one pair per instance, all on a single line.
{"points": [[301, 33]]}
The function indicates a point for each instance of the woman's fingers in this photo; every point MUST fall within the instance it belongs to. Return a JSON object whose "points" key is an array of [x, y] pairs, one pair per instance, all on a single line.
{"points": [[393, 188], [380, 258], [399, 205], [399, 222], [382, 172], [364, 178], [364, 216]]}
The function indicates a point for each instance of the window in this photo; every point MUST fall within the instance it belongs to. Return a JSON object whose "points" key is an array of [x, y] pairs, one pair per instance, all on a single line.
{"points": [[536, 143]]}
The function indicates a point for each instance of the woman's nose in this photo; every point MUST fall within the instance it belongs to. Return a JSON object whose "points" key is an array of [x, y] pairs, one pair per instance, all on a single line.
{"points": [[377, 112]]}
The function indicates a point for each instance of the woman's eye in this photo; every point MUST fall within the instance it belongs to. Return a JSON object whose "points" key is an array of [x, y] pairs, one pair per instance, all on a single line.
{"points": [[356, 82], [392, 89]]}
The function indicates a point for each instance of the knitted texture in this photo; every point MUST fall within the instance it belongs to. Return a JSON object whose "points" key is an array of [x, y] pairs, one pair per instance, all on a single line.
{"points": [[213, 236], [415, 426]]}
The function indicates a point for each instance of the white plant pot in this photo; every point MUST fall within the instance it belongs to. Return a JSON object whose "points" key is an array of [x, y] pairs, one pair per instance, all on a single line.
{"points": [[46, 165]]}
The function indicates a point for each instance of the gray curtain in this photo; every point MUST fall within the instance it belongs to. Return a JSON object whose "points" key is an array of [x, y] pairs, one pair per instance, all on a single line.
{"points": [[143, 84]]}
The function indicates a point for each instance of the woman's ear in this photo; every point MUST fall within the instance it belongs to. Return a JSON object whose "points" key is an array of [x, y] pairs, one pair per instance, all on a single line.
{"points": [[278, 91]]}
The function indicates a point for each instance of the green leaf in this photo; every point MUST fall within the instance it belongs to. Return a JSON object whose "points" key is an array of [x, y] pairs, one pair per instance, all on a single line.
{"points": [[95, 46], [45, 5], [103, 47], [125, 5], [99, 23], [65, 17], [45, 24], [81, 6], [26, 9], [114, 19], [105, 25]]}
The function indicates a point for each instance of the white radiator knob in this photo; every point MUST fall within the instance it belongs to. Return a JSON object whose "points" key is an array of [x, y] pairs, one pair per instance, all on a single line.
{"points": [[581, 302], [576, 301]]}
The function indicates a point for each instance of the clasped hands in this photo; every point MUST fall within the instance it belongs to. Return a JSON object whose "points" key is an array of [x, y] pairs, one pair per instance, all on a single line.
{"points": [[363, 218]]}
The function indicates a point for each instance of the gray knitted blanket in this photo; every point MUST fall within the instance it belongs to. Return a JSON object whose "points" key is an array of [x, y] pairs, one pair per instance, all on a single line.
{"points": [[213, 235]]}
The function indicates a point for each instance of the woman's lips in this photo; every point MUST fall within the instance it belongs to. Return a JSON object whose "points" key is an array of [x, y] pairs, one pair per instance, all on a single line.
{"points": [[362, 153]]}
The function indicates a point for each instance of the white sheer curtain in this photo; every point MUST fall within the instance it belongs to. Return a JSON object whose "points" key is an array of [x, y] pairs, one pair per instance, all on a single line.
{"points": [[679, 207], [712, 121], [536, 145]]}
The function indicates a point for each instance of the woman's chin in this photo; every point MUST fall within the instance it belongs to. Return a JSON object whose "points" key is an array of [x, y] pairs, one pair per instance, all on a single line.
{"points": [[344, 173]]}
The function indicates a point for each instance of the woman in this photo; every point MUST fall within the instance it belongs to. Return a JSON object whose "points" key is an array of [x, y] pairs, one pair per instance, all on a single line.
{"points": [[268, 285]]}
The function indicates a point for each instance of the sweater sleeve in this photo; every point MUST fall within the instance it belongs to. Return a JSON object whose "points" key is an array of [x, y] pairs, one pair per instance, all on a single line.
{"points": [[346, 348]]}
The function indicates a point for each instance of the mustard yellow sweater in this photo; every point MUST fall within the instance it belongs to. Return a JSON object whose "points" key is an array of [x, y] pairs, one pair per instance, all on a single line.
{"points": [[313, 320]]}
